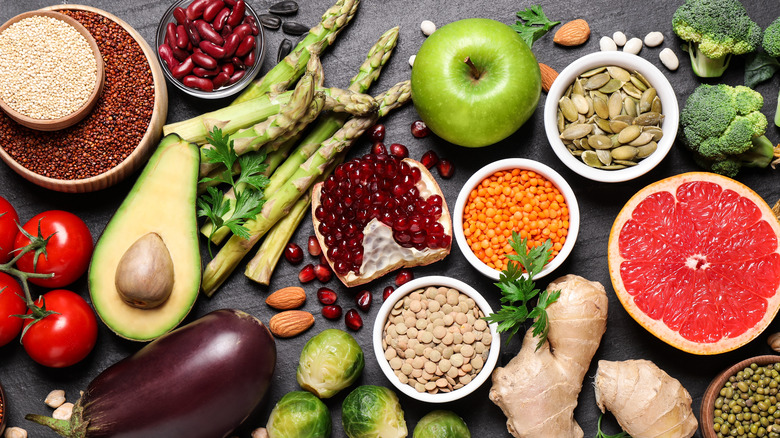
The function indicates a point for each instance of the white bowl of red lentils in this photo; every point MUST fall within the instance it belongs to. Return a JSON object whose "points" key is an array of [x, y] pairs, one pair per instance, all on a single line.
{"points": [[431, 342], [514, 195]]}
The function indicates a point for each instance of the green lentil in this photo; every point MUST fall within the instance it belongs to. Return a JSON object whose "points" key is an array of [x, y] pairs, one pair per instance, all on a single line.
{"points": [[747, 405]]}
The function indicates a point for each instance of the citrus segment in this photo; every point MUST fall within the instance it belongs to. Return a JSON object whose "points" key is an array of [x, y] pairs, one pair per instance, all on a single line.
{"points": [[695, 260]]}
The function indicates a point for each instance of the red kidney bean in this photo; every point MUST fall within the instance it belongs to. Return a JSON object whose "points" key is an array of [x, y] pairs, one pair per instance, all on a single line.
{"points": [[204, 60], [220, 19], [250, 20], [181, 36], [179, 54], [195, 9], [208, 33], [221, 79], [236, 77], [242, 31], [247, 44], [232, 43], [192, 33], [212, 10], [205, 73], [199, 83], [212, 49], [183, 69], [167, 55], [249, 59], [238, 13], [228, 68], [238, 63], [226, 30], [179, 15], [231, 3], [170, 34]]}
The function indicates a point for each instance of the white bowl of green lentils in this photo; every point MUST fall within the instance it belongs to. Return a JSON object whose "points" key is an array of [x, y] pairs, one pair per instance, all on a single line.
{"points": [[431, 342]]}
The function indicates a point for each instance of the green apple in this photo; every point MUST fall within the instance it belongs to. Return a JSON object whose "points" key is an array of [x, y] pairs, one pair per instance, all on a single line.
{"points": [[475, 82]]}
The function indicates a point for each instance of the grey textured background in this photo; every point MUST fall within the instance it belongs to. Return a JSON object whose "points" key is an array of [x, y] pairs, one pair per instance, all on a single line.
{"points": [[26, 383]]}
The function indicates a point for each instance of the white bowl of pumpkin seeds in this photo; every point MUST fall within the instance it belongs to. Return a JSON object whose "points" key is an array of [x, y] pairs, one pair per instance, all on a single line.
{"points": [[431, 342], [611, 116]]}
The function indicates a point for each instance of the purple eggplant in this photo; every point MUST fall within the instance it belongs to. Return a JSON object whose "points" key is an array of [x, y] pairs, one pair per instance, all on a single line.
{"points": [[199, 381]]}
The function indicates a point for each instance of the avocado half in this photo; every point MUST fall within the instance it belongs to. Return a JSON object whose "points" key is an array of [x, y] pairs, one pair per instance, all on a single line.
{"points": [[162, 201]]}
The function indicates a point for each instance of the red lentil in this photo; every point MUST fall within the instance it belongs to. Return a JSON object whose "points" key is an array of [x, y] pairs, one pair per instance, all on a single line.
{"points": [[517, 200], [114, 128]]}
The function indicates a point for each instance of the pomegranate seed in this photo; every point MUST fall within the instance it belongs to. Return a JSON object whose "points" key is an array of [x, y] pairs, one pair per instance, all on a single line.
{"points": [[332, 312], [363, 300], [293, 253], [323, 259], [323, 273], [445, 168], [326, 296], [378, 133], [307, 274], [353, 320], [399, 150], [429, 159], [403, 276], [420, 129], [386, 292], [314, 246], [378, 149]]}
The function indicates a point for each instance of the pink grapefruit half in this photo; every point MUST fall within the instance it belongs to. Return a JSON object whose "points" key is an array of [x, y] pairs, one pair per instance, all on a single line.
{"points": [[695, 260]]}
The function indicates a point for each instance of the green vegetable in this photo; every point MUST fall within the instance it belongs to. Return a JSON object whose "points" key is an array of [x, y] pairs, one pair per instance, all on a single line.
{"points": [[299, 414], [533, 24], [373, 412], [600, 434], [715, 30], [330, 362], [248, 186], [441, 424], [759, 67], [724, 128], [518, 288], [771, 44]]}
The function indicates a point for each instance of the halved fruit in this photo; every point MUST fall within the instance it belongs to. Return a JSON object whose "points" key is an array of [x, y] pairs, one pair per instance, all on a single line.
{"points": [[379, 213], [695, 260]]}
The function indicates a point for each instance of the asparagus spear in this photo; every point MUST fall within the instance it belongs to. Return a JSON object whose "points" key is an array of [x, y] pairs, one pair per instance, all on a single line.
{"points": [[292, 66], [279, 203]]}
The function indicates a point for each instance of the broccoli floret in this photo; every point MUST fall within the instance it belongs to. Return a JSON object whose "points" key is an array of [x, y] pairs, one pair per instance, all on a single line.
{"points": [[715, 30], [771, 44], [724, 127]]}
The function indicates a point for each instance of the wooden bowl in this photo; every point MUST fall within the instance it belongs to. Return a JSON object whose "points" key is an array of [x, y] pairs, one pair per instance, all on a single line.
{"points": [[78, 115], [713, 391], [141, 152]]}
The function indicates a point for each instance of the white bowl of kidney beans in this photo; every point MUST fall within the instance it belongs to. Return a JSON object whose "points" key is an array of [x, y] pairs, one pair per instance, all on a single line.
{"points": [[210, 48]]}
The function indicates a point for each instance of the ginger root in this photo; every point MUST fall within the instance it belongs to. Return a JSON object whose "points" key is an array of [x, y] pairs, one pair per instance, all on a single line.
{"points": [[538, 389], [647, 402]]}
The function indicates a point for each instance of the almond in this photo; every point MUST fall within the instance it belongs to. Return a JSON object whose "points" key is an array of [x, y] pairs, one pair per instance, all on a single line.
{"points": [[290, 323], [548, 76], [573, 33], [287, 298]]}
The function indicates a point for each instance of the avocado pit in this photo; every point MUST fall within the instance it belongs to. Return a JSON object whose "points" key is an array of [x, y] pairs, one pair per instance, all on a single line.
{"points": [[144, 276]]}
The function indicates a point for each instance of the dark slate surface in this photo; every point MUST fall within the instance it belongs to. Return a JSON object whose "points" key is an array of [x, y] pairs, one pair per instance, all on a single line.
{"points": [[26, 383]]}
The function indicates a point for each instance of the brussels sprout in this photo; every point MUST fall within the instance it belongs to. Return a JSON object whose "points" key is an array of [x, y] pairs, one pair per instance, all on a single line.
{"points": [[441, 424], [373, 412], [299, 414], [330, 362]]}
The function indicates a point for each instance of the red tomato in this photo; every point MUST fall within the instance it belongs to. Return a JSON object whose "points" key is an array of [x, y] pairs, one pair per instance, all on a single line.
{"points": [[65, 338], [8, 229], [11, 303], [67, 252]]}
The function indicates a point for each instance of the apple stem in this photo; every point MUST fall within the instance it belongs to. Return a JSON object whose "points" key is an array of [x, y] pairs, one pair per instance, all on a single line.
{"points": [[475, 73]]}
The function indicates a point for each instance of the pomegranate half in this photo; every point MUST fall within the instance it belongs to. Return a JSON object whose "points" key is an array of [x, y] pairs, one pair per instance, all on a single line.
{"points": [[378, 213]]}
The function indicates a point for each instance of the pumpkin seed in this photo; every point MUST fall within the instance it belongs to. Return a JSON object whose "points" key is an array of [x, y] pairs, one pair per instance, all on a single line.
{"points": [[656, 106], [646, 150], [601, 108], [630, 106], [624, 153], [643, 139], [592, 72], [591, 110], [591, 159], [597, 81], [577, 88], [643, 79], [625, 118], [657, 132], [604, 156], [632, 90], [617, 125], [615, 105], [615, 142], [649, 119], [577, 153], [568, 92], [646, 102], [294, 28], [619, 73], [626, 163], [629, 134], [576, 130], [611, 86], [568, 109], [596, 93], [638, 83], [287, 7], [580, 103], [561, 121], [600, 142], [613, 167], [603, 124]]}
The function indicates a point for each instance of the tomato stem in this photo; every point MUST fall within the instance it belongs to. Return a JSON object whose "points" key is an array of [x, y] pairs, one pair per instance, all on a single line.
{"points": [[38, 244]]}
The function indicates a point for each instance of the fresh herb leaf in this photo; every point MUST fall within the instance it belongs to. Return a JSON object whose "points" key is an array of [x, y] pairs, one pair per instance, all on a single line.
{"points": [[518, 289], [533, 24], [759, 67], [252, 171], [601, 434]]}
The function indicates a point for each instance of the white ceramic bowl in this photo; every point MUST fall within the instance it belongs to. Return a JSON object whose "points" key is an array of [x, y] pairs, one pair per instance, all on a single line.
{"points": [[384, 365], [630, 62], [507, 164]]}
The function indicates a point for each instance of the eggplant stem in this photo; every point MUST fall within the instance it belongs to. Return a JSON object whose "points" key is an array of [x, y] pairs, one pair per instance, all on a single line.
{"points": [[62, 427]]}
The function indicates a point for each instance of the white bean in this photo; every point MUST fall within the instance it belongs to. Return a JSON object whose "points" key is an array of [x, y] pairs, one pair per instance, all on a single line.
{"points": [[427, 27], [654, 39], [55, 399], [619, 38], [634, 45], [607, 44], [63, 412], [411, 60], [15, 432], [669, 59], [260, 432]]}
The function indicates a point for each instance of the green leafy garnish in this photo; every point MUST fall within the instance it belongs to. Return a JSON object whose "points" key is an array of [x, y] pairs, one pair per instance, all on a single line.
{"points": [[759, 67], [518, 288], [248, 187], [601, 434], [533, 24]]}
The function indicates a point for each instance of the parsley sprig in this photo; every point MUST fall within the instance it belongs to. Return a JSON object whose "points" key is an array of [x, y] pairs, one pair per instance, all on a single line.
{"points": [[518, 289], [600, 434], [247, 187], [533, 24]]}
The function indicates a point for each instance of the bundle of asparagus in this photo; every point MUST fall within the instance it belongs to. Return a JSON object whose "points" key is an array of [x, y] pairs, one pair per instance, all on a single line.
{"points": [[268, 119]]}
